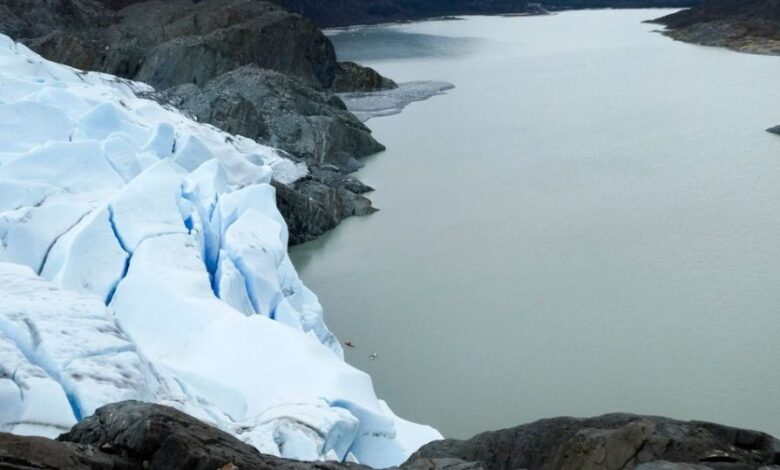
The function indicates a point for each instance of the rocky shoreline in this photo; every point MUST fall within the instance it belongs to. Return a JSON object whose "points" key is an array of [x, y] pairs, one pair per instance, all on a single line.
{"points": [[249, 68], [133, 435], [750, 26]]}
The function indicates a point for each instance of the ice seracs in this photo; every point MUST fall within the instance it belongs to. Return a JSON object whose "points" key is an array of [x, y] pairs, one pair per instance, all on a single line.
{"points": [[142, 257]]}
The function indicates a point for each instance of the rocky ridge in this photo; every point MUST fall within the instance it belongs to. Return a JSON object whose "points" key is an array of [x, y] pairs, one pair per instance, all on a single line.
{"points": [[131, 434], [333, 13], [250, 68]]}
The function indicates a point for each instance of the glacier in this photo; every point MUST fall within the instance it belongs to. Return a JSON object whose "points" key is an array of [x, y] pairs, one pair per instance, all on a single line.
{"points": [[142, 256]]}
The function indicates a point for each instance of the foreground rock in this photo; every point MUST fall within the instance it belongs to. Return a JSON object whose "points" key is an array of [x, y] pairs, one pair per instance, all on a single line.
{"points": [[744, 25], [134, 435], [774, 130], [249, 68], [614, 441]]}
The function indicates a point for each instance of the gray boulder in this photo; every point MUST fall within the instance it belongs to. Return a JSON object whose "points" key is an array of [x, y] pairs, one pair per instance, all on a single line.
{"points": [[280, 111], [614, 441], [774, 130]]}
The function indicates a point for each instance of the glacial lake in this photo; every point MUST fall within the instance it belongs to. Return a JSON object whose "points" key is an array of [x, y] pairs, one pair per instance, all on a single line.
{"points": [[588, 223]]}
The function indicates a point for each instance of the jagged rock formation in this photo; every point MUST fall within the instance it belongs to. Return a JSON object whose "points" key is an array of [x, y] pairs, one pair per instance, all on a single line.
{"points": [[611, 442], [744, 25], [247, 67]]}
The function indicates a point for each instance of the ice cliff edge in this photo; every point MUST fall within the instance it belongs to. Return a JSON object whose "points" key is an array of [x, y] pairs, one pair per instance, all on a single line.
{"points": [[142, 256]]}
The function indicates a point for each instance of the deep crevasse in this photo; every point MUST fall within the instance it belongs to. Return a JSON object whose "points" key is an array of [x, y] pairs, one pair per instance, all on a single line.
{"points": [[116, 200]]}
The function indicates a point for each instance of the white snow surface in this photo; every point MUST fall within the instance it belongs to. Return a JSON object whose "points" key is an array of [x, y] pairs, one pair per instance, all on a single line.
{"points": [[142, 256]]}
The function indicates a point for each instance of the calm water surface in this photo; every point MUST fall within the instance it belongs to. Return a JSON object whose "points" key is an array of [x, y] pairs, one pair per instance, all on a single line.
{"points": [[589, 222]]}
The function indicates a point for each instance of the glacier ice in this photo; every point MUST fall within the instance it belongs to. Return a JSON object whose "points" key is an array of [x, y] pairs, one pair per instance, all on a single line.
{"points": [[142, 256]]}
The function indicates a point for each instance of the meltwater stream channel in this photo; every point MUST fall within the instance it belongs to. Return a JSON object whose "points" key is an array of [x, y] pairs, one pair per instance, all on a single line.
{"points": [[589, 222]]}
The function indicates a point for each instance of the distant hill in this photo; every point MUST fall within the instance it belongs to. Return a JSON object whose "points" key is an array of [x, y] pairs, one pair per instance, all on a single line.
{"points": [[328, 13]]}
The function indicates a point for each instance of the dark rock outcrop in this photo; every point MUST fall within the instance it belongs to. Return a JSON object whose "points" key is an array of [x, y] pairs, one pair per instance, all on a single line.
{"points": [[134, 435], [351, 77], [330, 13], [774, 130], [313, 205], [247, 67], [615, 441], [281, 111], [745, 25]]}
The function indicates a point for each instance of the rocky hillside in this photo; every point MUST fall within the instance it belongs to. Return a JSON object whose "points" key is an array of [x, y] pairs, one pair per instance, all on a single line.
{"points": [[330, 13], [247, 67], [744, 25], [131, 435]]}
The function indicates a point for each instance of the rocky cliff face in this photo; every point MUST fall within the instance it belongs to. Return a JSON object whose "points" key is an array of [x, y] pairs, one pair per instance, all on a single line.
{"points": [[744, 25], [249, 67], [130, 435]]}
